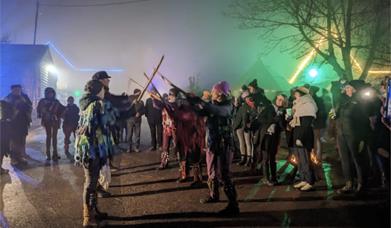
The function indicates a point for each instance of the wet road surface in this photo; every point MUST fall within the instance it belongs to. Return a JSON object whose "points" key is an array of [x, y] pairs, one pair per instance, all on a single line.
{"points": [[49, 195]]}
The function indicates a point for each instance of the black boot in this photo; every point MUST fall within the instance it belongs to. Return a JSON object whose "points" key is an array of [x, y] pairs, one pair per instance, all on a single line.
{"points": [[233, 208], [243, 160], [101, 192], [197, 176], [214, 195], [249, 162], [94, 206]]}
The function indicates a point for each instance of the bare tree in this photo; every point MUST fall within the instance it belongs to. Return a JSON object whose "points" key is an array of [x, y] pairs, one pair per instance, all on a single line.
{"points": [[193, 85], [335, 29]]}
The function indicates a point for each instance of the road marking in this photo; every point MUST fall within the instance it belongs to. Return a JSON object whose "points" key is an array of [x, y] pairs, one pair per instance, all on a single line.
{"points": [[253, 191], [286, 221], [269, 198], [329, 183]]}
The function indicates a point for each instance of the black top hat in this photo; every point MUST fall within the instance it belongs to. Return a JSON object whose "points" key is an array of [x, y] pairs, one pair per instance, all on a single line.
{"points": [[100, 75]]}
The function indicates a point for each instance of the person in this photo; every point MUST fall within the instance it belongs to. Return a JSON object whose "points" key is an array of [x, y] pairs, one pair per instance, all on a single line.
{"points": [[319, 122], [169, 129], [6, 114], [219, 155], [257, 93], [352, 127], [134, 122], [258, 116], [71, 119], [245, 145], [272, 140], [304, 112], [382, 136], [93, 146], [153, 112], [206, 95], [119, 107], [19, 123], [50, 110]]}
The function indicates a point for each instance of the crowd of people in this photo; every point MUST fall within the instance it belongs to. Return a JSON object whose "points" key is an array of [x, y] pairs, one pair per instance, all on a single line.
{"points": [[211, 128]]}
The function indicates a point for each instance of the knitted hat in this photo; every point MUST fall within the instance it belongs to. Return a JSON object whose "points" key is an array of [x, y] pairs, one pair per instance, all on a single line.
{"points": [[222, 87], [253, 83]]}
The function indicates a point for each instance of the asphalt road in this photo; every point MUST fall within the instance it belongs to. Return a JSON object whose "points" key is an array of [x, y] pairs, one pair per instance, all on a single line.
{"points": [[49, 195]]}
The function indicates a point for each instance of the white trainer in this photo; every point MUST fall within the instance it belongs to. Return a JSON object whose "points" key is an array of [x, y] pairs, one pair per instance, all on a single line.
{"points": [[300, 184], [306, 187]]}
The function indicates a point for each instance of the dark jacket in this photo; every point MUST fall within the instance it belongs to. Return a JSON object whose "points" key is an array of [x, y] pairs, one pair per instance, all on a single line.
{"points": [[22, 117], [239, 117], [153, 112], [321, 114], [71, 116], [219, 124], [122, 104], [138, 107], [352, 118], [6, 114], [50, 112]]}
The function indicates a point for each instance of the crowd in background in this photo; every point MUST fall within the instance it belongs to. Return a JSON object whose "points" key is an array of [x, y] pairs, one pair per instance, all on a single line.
{"points": [[212, 128]]}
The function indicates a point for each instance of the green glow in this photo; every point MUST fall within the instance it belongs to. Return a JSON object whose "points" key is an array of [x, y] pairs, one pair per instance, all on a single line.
{"points": [[77, 93]]}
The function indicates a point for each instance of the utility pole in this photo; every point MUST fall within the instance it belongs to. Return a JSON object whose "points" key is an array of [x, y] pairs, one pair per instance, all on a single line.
{"points": [[36, 22]]}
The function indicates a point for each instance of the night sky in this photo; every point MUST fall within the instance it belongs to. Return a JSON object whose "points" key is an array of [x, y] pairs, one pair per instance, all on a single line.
{"points": [[195, 36]]}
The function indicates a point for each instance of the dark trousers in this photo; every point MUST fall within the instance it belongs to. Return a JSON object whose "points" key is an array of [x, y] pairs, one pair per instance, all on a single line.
{"points": [[134, 126], [51, 139], [18, 147], [68, 130], [4, 140], [91, 175], [156, 134], [269, 157], [348, 150], [218, 163]]}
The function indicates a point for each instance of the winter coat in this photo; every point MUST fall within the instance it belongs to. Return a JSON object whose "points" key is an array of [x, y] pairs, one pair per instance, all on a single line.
{"points": [[71, 116], [352, 118], [6, 114], [304, 106], [22, 117], [219, 124], [138, 107], [94, 138], [50, 112], [153, 111]]}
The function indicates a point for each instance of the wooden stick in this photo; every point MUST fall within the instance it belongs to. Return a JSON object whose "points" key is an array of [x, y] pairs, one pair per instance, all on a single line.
{"points": [[136, 82], [154, 87], [150, 79]]}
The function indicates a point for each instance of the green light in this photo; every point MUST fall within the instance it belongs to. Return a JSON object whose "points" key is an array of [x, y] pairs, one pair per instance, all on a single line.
{"points": [[313, 73], [77, 93]]}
